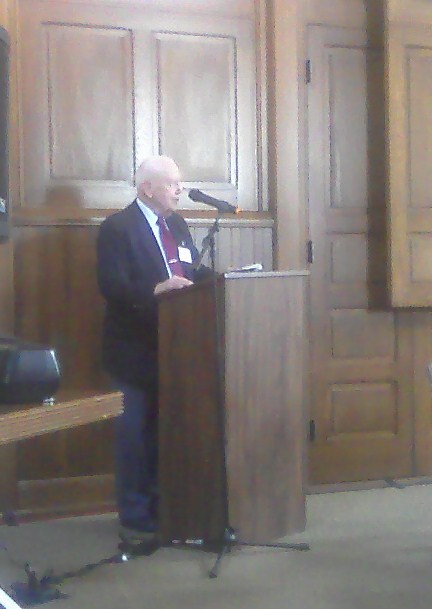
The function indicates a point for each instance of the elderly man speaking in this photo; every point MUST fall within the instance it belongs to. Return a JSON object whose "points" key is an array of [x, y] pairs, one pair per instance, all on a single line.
{"points": [[143, 250]]}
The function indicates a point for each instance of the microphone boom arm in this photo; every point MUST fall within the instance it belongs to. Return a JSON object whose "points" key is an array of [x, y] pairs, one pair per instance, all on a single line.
{"points": [[208, 242]]}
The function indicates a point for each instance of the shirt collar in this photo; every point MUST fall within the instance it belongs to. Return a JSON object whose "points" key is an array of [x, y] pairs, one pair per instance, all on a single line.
{"points": [[151, 217]]}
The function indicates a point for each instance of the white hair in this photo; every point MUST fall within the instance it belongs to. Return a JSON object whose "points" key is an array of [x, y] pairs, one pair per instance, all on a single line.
{"points": [[154, 167]]}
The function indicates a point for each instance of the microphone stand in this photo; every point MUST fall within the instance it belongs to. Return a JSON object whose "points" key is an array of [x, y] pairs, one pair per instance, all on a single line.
{"points": [[229, 538], [209, 242]]}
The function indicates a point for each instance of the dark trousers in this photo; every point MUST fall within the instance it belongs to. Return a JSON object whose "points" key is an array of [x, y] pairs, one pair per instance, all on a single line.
{"points": [[136, 456]]}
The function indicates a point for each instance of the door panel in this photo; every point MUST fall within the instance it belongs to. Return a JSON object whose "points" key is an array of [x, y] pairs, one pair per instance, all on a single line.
{"points": [[361, 355]]}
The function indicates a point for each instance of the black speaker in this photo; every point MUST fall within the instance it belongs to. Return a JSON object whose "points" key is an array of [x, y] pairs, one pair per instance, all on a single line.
{"points": [[28, 373], [4, 139]]}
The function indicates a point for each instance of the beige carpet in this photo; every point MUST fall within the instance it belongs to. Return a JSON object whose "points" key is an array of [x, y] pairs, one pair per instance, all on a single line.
{"points": [[369, 549]]}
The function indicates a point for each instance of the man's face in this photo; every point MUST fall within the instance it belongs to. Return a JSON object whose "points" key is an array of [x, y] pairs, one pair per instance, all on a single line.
{"points": [[163, 191]]}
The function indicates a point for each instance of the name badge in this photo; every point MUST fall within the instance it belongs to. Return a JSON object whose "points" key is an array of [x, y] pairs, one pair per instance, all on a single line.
{"points": [[185, 255]]}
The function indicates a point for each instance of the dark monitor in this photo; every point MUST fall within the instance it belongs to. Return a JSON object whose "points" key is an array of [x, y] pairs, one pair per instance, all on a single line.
{"points": [[4, 139]]}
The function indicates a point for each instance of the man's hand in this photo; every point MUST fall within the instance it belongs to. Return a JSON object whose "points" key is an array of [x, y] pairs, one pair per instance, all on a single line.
{"points": [[173, 283]]}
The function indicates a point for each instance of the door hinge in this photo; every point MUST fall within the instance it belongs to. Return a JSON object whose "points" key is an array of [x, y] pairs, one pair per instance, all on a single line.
{"points": [[312, 430], [310, 251], [308, 73]]}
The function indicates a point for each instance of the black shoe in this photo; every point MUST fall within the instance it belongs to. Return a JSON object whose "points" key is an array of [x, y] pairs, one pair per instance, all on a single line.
{"points": [[138, 530]]}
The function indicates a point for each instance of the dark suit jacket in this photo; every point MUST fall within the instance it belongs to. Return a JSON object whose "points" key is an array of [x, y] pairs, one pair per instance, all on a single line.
{"points": [[129, 265]]}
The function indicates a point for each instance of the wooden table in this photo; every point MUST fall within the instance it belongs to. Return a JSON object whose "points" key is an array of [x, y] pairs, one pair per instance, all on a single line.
{"points": [[20, 422], [23, 421]]}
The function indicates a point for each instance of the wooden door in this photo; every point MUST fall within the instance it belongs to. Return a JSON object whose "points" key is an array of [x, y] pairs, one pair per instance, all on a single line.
{"points": [[409, 98], [360, 351]]}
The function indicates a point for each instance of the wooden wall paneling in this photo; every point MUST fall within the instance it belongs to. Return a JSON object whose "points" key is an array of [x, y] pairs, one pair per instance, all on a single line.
{"points": [[238, 243], [411, 13], [6, 247], [261, 15], [8, 478], [211, 8], [344, 13], [409, 97], [66, 311], [8, 464], [422, 394], [52, 238], [6, 288], [80, 125], [224, 255], [101, 145], [4, 13], [287, 173], [189, 100], [85, 451], [206, 97], [263, 248], [55, 496], [58, 304], [142, 43]]}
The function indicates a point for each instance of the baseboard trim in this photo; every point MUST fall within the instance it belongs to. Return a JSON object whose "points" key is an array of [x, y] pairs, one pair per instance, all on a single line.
{"points": [[66, 496], [337, 487]]}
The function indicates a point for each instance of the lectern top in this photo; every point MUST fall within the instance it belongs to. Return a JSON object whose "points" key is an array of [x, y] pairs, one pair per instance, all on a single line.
{"points": [[238, 274]]}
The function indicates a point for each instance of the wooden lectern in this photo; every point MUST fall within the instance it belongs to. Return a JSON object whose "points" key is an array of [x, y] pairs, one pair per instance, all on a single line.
{"points": [[233, 453]]}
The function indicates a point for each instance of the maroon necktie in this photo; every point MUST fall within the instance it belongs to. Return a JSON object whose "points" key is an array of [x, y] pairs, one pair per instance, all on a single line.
{"points": [[170, 247]]}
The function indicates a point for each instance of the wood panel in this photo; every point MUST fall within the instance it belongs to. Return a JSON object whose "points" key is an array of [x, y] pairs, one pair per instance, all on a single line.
{"points": [[58, 304], [422, 392], [22, 421], [344, 13], [8, 465], [138, 84], [192, 478], [266, 360], [29, 421], [57, 496], [413, 12], [286, 130], [286, 55], [78, 161], [4, 13], [57, 299], [238, 243], [220, 8], [208, 61], [78, 113], [409, 97], [8, 478], [6, 246], [6, 288], [100, 148], [253, 424]]}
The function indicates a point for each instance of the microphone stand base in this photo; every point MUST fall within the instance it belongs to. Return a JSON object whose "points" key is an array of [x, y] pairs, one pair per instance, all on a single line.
{"points": [[35, 592], [222, 548]]}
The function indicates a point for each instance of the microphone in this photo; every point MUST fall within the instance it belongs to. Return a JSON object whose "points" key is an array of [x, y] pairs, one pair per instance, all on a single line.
{"points": [[222, 206]]}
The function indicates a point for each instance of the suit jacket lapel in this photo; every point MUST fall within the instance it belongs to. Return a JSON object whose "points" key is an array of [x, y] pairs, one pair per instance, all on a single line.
{"points": [[144, 238]]}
